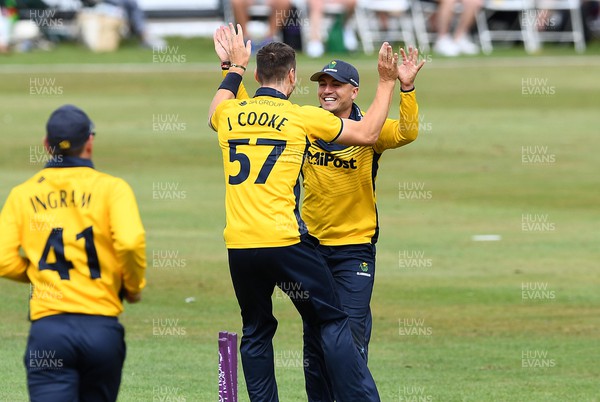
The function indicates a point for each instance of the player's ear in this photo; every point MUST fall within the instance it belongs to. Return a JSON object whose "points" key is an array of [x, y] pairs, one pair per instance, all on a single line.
{"points": [[354, 92], [256, 76], [47, 145], [89, 144]]}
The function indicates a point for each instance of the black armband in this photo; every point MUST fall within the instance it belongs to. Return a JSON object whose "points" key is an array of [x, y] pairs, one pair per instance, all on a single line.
{"points": [[231, 82]]}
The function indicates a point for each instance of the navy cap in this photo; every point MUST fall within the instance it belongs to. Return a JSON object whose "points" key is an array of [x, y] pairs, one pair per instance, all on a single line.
{"points": [[68, 128], [339, 70]]}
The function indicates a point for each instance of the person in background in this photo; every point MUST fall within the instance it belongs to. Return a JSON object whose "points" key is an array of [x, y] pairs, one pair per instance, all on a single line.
{"points": [[458, 42], [136, 20], [315, 46], [8, 14], [277, 18]]}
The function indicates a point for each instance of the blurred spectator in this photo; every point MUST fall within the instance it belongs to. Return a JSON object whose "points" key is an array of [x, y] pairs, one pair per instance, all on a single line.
{"points": [[4, 32], [560, 20], [277, 18], [136, 21], [8, 14], [546, 20], [457, 43], [315, 46], [590, 10]]}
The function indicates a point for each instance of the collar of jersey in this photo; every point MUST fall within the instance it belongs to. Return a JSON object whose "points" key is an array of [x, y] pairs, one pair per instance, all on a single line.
{"points": [[355, 114], [69, 161], [266, 91]]}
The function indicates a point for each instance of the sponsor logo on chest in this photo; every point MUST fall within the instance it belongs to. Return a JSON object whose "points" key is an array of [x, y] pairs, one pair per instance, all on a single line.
{"points": [[327, 159]]}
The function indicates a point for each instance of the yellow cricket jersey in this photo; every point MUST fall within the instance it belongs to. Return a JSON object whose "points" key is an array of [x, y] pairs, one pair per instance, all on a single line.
{"points": [[81, 239], [263, 140], [339, 206]]}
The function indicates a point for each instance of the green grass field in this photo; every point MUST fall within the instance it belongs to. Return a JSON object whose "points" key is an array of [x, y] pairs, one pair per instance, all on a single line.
{"points": [[508, 146]]}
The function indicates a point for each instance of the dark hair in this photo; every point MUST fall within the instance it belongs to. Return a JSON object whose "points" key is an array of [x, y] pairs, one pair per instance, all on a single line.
{"points": [[274, 61]]}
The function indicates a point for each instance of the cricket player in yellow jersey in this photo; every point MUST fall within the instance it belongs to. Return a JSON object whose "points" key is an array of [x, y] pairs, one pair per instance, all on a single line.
{"points": [[76, 236], [339, 207], [263, 140]]}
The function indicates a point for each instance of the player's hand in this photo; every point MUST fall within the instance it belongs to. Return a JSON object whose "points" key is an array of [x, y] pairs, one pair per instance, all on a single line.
{"points": [[133, 298], [239, 53], [408, 69], [387, 64], [220, 39]]}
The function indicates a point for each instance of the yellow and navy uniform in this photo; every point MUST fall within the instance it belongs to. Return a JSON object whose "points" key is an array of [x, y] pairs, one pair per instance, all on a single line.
{"points": [[82, 238], [339, 206], [264, 139]]}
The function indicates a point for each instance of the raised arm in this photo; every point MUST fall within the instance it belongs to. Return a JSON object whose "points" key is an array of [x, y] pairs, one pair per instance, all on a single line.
{"points": [[396, 133], [366, 131], [239, 54], [408, 127]]}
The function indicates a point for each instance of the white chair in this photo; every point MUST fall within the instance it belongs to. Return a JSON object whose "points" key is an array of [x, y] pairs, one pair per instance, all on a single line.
{"points": [[576, 34], [527, 23], [419, 10], [369, 29]]}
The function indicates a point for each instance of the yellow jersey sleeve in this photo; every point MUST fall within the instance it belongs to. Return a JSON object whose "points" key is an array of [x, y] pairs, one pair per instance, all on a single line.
{"points": [[128, 237], [321, 124], [215, 120], [242, 94], [396, 133], [12, 264]]}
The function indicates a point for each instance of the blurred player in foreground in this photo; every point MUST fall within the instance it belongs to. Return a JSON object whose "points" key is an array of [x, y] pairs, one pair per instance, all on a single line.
{"points": [[83, 248], [340, 209], [263, 140]]}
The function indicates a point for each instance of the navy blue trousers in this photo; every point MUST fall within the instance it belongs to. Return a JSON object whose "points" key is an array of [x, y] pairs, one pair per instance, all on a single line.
{"points": [[75, 358], [353, 270], [255, 273]]}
